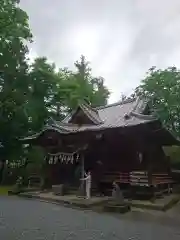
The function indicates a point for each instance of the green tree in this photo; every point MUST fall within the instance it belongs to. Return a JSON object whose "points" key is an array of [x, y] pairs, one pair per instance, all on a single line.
{"points": [[56, 92], [14, 34], [36, 164], [65, 94], [100, 92], [42, 87], [30, 94], [88, 88], [162, 88], [51, 92]]}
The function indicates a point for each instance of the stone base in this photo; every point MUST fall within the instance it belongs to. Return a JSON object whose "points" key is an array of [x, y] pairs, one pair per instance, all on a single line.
{"points": [[81, 191], [163, 204], [59, 190], [117, 208]]}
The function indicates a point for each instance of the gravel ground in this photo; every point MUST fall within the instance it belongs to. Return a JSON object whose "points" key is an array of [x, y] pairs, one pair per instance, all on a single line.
{"points": [[22, 219]]}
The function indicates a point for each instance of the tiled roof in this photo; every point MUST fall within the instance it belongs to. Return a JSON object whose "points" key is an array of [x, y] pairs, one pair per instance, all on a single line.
{"points": [[115, 115], [129, 113], [92, 113], [118, 115]]}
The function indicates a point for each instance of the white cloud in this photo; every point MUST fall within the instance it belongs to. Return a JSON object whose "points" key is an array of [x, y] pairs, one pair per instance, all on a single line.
{"points": [[122, 39]]}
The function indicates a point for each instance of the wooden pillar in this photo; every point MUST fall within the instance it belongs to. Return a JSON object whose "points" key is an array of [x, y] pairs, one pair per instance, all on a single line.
{"points": [[150, 158], [82, 166], [82, 183]]}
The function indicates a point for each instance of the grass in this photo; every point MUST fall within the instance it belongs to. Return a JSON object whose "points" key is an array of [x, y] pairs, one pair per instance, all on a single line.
{"points": [[4, 190]]}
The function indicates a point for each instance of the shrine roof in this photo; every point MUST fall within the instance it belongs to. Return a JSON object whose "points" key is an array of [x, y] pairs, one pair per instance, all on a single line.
{"points": [[92, 113], [117, 115], [128, 113]]}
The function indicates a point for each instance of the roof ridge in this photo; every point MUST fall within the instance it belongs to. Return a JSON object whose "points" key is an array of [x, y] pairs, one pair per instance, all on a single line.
{"points": [[143, 116], [89, 106], [88, 111], [65, 125], [116, 104]]}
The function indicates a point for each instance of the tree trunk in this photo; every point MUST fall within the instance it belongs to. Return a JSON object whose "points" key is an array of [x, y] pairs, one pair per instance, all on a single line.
{"points": [[2, 165]]}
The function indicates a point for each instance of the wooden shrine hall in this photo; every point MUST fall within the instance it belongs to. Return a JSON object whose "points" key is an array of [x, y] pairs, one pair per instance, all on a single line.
{"points": [[122, 142]]}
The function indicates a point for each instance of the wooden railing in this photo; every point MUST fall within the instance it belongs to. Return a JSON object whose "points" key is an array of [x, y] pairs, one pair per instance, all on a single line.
{"points": [[137, 178]]}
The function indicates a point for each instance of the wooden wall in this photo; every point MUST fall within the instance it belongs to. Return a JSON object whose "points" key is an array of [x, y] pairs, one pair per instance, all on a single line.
{"points": [[114, 150]]}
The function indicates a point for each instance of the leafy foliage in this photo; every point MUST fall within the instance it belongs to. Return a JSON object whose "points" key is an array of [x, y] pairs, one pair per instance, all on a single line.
{"points": [[14, 32], [54, 93], [162, 88], [88, 88], [173, 152], [124, 98], [30, 94]]}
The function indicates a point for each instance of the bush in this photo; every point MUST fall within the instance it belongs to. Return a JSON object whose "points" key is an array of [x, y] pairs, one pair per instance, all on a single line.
{"points": [[174, 153]]}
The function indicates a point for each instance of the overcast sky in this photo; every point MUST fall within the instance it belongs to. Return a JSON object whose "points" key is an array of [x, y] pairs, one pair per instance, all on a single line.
{"points": [[121, 38]]}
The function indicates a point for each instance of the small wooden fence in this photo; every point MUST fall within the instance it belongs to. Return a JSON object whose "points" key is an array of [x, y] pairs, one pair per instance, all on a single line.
{"points": [[157, 182]]}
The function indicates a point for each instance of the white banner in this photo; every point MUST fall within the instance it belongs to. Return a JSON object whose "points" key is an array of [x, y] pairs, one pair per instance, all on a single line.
{"points": [[62, 157]]}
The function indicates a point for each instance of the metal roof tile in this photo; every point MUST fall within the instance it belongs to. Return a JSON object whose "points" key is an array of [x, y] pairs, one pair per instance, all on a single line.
{"points": [[116, 115], [113, 116]]}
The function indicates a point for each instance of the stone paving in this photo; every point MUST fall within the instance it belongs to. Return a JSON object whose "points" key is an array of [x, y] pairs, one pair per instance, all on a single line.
{"points": [[158, 204], [22, 219]]}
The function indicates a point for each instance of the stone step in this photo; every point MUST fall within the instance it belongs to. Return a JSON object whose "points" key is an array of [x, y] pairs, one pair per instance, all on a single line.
{"points": [[74, 191]]}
